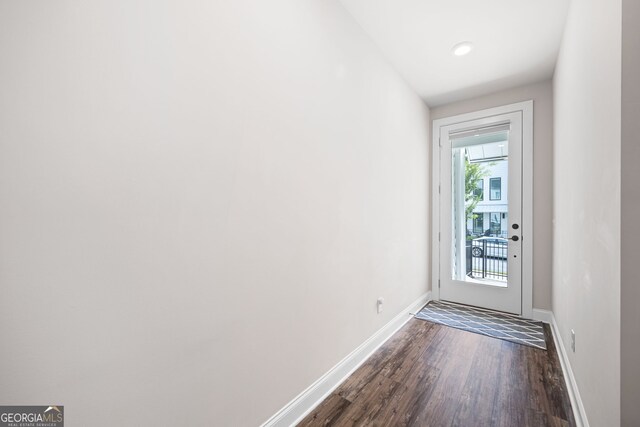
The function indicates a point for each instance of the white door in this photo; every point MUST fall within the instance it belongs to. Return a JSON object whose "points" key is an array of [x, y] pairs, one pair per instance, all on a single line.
{"points": [[481, 211]]}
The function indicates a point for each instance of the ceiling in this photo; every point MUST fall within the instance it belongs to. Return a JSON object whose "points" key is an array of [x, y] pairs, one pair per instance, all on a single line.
{"points": [[515, 42]]}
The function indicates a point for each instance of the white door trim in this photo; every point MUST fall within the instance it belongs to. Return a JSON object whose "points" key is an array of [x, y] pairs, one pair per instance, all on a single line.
{"points": [[526, 108]]}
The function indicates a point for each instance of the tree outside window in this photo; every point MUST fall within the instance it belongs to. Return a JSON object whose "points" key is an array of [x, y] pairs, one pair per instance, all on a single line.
{"points": [[474, 174]]}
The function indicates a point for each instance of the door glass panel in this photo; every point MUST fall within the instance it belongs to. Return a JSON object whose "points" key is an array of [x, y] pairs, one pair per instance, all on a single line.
{"points": [[479, 217]]}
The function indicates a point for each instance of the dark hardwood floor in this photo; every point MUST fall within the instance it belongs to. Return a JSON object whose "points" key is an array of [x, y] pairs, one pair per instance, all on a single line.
{"points": [[433, 375]]}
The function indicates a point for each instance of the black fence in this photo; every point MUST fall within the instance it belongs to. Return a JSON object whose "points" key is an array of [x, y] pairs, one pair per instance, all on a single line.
{"points": [[487, 258]]}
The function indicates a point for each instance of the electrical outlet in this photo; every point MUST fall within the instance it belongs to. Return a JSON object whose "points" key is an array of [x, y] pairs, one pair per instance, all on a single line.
{"points": [[573, 340], [380, 302]]}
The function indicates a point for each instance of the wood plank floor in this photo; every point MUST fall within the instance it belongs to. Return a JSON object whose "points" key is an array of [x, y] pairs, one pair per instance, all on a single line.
{"points": [[434, 375]]}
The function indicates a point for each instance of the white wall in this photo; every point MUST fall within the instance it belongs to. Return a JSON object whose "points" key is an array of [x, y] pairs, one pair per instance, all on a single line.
{"points": [[586, 267], [630, 205], [542, 96], [200, 202]]}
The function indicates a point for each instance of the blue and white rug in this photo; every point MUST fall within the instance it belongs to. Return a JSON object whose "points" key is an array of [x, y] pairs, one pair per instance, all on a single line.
{"points": [[494, 324]]}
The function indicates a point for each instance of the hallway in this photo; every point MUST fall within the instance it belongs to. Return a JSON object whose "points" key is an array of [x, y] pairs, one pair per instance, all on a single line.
{"points": [[212, 212]]}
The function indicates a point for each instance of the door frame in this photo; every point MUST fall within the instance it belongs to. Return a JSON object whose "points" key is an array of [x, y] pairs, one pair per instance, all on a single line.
{"points": [[526, 234]]}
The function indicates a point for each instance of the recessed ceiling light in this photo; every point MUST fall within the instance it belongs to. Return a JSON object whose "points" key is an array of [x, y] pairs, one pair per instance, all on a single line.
{"points": [[462, 48]]}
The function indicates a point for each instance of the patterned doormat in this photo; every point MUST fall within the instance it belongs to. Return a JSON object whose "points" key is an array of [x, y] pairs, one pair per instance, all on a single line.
{"points": [[504, 326]]}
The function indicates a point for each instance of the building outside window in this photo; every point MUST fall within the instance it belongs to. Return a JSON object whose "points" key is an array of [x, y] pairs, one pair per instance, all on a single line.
{"points": [[489, 216], [478, 223], [495, 189], [495, 223]]}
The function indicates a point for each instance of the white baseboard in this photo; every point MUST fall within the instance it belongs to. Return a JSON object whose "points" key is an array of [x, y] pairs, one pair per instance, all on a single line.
{"points": [[294, 411], [542, 315], [572, 387]]}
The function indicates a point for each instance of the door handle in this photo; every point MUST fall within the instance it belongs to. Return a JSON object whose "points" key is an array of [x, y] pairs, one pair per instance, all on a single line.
{"points": [[514, 238]]}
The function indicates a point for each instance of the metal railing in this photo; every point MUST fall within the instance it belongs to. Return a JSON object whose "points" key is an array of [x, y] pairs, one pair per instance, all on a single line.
{"points": [[487, 258]]}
